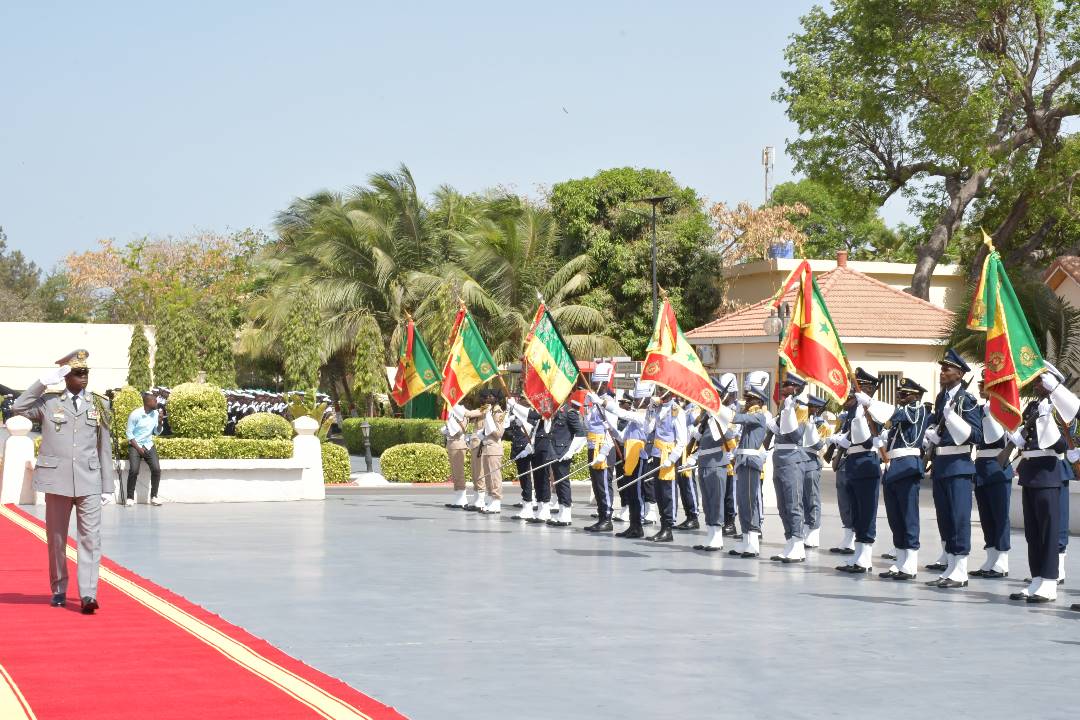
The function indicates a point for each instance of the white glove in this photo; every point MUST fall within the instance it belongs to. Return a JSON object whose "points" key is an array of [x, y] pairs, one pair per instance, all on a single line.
{"points": [[674, 457], [510, 402], [1017, 439], [691, 463], [863, 399], [932, 436], [54, 376], [726, 458], [948, 412], [668, 462], [593, 398], [789, 401], [839, 439], [569, 454], [1049, 381], [878, 442], [444, 431], [770, 425], [1072, 455]]}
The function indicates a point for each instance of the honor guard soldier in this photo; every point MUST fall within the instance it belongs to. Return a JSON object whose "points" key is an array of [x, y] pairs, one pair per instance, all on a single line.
{"points": [[601, 449], [491, 421], [668, 443], [749, 461], [903, 477], [816, 430], [687, 478], [542, 459], [789, 460], [834, 455], [993, 491], [519, 431], [456, 447], [74, 468], [861, 461], [636, 462], [566, 435], [955, 426], [715, 452], [1068, 473], [1042, 443]]}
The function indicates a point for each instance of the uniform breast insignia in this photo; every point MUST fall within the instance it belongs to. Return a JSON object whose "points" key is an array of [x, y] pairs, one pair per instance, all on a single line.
{"points": [[59, 419]]}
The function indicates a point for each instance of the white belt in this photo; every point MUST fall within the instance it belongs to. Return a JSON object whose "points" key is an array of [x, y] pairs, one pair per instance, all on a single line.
{"points": [[904, 452], [954, 450], [1039, 453], [988, 453], [751, 453], [859, 450], [786, 446]]}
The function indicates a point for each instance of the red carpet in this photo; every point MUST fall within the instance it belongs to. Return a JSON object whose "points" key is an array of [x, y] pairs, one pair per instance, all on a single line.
{"points": [[147, 654]]}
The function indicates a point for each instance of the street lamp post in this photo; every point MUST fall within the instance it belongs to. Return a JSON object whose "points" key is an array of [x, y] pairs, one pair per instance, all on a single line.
{"points": [[365, 430], [654, 201]]}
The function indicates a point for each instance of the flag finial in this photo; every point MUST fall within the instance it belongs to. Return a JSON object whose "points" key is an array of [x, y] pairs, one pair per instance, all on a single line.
{"points": [[988, 241]]}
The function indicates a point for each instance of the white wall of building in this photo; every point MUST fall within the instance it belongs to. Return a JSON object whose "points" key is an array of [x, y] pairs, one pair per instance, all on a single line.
{"points": [[26, 349]]}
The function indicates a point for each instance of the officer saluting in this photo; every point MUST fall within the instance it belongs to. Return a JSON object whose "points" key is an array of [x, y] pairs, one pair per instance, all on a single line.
{"points": [[74, 467]]}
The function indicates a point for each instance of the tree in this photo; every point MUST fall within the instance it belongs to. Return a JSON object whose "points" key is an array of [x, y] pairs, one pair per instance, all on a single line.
{"points": [[597, 216], [938, 99], [835, 220], [177, 334], [369, 375], [139, 359], [300, 343], [18, 280], [217, 338]]}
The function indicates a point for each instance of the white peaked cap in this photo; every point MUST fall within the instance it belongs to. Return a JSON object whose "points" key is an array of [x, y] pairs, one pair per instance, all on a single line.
{"points": [[643, 389], [728, 382], [602, 372], [757, 382]]}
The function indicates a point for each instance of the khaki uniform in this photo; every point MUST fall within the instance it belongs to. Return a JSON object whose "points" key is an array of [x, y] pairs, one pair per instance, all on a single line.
{"points": [[488, 457], [456, 447]]}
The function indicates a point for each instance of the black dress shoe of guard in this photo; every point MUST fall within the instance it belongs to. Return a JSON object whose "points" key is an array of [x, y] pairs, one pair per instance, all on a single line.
{"points": [[903, 576], [663, 536], [632, 532], [792, 561], [734, 553], [690, 523], [1039, 599], [950, 584], [846, 568], [58, 600], [455, 506], [936, 582], [599, 526], [729, 530], [993, 575], [706, 548], [89, 605], [777, 558], [748, 555], [977, 573], [858, 570], [888, 556], [1018, 596], [936, 566], [887, 575], [842, 551], [470, 508], [1075, 606]]}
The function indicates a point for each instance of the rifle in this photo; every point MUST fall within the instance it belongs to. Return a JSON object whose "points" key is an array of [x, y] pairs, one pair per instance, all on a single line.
{"points": [[932, 452]]}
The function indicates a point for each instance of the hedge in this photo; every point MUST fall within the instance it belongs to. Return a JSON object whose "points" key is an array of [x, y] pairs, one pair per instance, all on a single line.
{"points": [[335, 463], [264, 426], [197, 411], [124, 401], [388, 432], [415, 463], [222, 448]]}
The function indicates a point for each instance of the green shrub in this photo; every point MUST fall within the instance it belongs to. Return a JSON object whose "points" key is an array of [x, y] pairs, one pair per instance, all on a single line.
{"points": [[264, 426], [388, 432], [222, 448], [415, 463], [124, 401], [335, 463], [197, 411]]}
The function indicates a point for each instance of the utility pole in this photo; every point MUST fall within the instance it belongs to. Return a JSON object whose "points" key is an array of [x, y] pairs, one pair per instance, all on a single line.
{"points": [[768, 160], [654, 201]]}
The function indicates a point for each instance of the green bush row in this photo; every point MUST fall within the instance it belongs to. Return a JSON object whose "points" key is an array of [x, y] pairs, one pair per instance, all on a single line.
{"points": [[388, 432], [222, 448], [429, 463], [335, 463], [264, 426]]}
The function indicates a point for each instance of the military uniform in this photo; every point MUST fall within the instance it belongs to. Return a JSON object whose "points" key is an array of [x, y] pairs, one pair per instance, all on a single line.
{"points": [[788, 460], [903, 479], [565, 437], [817, 429], [687, 479], [637, 464], [602, 460], [993, 494], [715, 452], [74, 467], [750, 460], [456, 447], [520, 434]]}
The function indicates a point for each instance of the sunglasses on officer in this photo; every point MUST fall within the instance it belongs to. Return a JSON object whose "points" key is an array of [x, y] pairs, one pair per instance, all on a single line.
{"points": [[81, 372]]}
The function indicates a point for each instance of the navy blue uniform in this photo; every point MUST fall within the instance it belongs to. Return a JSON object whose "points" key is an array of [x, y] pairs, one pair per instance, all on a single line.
{"points": [[993, 491], [861, 466], [903, 477], [953, 472], [1040, 478], [519, 442]]}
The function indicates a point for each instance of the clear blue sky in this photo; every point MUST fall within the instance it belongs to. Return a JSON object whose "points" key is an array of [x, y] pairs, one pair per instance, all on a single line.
{"points": [[122, 119]]}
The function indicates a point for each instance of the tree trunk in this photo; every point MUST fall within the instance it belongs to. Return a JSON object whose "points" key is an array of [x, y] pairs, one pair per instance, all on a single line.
{"points": [[961, 193]]}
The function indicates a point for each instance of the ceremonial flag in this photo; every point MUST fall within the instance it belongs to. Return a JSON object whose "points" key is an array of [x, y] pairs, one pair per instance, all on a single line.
{"points": [[1012, 356], [416, 371], [811, 345], [549, 369], [470, 362], [671, 362]]}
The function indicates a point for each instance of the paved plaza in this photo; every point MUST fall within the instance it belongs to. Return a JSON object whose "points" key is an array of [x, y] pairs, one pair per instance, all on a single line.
{"points": [[446, 614]]}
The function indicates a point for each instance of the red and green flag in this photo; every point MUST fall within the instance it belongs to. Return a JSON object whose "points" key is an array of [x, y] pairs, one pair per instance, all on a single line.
{"points": [[549, 369], [470, 362], [1012, 357], [811, 344], [416, 371], [671, 362]]}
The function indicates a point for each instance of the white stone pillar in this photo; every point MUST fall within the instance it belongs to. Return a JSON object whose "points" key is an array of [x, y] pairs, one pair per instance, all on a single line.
{"points": [[17, 484], [307, 450]]}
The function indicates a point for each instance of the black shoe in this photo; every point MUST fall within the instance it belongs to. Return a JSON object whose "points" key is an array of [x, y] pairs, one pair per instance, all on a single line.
{"points": [[89, 605], [845, 568], [993, 575], [949, 584], [903, 576], [748, 555], [777, 558], [887, 575], [936, 566], [600, 526], [706, 548], [631, 532], [555, 523], [454, 506], [888, 556], [977, 573], [936, 582], [1039, 599], [663, 536], [519, 505], [470, 508], [729, 530], [1019, 596], [690, 523], [792, 561], [1075, 606], [858, 570], [842, 551], [58, 600]]}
